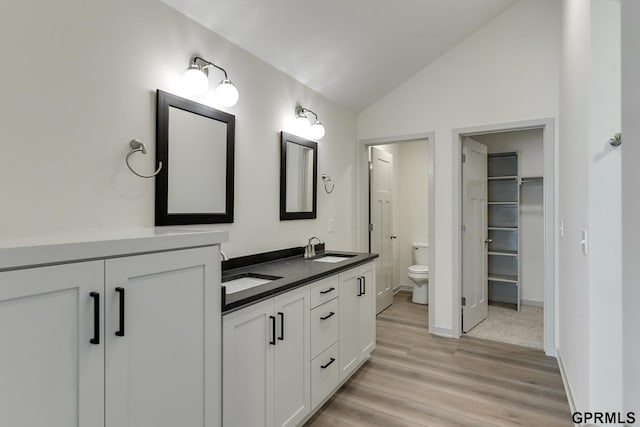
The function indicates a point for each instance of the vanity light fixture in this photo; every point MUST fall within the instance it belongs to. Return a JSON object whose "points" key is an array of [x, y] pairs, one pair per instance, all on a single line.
{"points": [[197, 81], [316, 130]]}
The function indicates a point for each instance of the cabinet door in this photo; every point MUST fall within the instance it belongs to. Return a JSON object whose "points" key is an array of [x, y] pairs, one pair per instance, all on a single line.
{"points": [[249, 339], [349, 321], [165, 369], [292, 385], [367, 311], [50, 373]]}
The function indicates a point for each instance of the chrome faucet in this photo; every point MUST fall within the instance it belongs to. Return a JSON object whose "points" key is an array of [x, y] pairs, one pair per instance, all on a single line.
{"points": [[223, 256], [310, 250]]}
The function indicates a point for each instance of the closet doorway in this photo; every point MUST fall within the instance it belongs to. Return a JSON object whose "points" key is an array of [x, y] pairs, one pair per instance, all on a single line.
{"points": [[511, 242]]}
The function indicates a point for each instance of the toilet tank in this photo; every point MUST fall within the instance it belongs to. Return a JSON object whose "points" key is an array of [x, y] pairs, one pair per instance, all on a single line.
{"points": [[421, 253]]}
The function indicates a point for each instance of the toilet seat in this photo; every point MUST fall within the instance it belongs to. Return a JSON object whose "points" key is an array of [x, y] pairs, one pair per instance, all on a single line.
{"points": [[417, 269]]}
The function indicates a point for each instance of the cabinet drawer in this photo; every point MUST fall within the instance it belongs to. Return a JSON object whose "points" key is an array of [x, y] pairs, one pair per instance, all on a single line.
{"points": [[324, 290], [324, 327], [325, 375]]}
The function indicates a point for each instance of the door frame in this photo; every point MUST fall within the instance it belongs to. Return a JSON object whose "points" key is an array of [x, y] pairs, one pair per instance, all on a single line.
{"points": [[362, 219], [549, 148]]}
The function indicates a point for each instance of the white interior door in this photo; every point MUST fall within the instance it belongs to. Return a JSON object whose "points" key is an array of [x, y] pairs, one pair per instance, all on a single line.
{"points": [[381, 203], [474, 234]]}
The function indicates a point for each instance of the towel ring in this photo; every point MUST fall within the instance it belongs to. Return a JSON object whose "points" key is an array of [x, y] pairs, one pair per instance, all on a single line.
{"points": [[135, 147], [327, 181]]}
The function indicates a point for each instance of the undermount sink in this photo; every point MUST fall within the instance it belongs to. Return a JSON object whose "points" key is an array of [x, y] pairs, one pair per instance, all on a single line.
{"points": [[333, 258], [244, 281]]}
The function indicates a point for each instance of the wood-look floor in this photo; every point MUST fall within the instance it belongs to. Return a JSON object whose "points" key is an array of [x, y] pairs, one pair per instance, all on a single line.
{"points": [[416, 379]]}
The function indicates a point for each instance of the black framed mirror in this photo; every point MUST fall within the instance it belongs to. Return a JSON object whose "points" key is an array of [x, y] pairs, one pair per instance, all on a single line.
{"points": [[298, 177], [195, 144]]}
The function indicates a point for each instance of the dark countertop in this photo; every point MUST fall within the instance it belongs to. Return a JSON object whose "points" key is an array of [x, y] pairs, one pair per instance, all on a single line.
{"points": [[295, 271]]}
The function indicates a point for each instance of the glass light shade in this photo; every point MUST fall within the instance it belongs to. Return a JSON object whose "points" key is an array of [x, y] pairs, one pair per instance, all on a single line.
{"points": [[301, 122], [195, 80], [226, 93], [316, 131]]}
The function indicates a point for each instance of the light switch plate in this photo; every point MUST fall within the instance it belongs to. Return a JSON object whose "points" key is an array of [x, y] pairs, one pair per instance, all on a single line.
{"points": [[330, 225]]}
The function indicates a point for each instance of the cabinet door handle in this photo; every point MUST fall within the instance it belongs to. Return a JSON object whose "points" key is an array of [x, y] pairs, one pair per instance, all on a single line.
{"points": [[281, 315], [120, 331], [328, 363], [359, 279], [96, 318], [364, 285], [331, 313], [273, 330], [326, 291]]}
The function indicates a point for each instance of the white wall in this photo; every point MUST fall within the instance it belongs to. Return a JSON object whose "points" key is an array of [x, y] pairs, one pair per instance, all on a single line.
{"points": [[528, 144], [505, 72], [79, 81], [590, 292], [631, 201], [413, 196]]}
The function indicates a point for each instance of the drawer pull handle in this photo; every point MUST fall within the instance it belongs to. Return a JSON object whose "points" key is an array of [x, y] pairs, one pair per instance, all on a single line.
{"points": [[281, 315], [359, 279], [273, 330], [364, 285], [328, 363], [120, 331], [331, 313], [326, 291], [96, 318]]}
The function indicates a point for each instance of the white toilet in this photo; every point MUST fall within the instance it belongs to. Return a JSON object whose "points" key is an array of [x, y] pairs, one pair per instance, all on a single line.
{"points": [[419, 273]]}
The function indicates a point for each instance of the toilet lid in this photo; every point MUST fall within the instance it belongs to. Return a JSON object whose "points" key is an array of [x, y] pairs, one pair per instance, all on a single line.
{"points": [[419, 269]]}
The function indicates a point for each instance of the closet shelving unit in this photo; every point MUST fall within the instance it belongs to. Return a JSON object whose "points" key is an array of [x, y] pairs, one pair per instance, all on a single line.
{"points": [[503, 228]]}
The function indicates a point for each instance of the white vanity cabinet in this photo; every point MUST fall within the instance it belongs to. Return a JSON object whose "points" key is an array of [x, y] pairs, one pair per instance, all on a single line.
{"points": [[266, 362], [164, 367], [357, 317], [50, 374], [283, 357], [129, 340]]}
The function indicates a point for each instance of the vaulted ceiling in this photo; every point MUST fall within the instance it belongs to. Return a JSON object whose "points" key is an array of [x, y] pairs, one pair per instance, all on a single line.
{"points": [[351, 51]]}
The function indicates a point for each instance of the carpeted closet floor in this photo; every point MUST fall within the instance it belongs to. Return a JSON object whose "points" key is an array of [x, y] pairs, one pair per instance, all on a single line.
{"points": [[523, 328]]}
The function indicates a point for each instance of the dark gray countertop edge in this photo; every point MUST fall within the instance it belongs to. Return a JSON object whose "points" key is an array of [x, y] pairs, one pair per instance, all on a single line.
{"points": [[263, 292]]}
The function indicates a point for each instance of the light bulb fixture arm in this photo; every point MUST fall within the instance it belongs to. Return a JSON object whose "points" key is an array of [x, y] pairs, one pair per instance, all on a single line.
{"points": [[206, 64], [301, 109]]}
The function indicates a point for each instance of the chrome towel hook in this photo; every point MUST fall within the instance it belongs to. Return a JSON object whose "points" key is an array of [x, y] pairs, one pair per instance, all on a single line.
{"points": [[327, 181], [616, 140], [135, 147]]}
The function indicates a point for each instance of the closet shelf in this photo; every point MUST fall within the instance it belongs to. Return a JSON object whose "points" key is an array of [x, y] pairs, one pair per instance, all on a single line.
{"points": [[503, 278], [503, 253], [503, 216], [502, 178]]}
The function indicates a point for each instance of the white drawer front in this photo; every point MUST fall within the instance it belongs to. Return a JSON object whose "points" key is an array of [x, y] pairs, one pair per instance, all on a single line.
{"points": [[324, 327], [325, 375], [324, 290]]}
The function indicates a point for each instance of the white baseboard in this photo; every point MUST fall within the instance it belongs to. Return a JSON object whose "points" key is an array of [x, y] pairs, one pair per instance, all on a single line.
{"points": [[441, 332], [532, 303], [567, 385], [399, 288]]}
